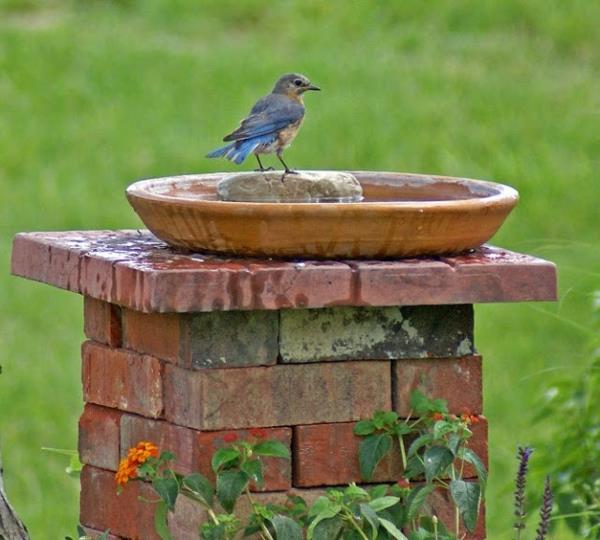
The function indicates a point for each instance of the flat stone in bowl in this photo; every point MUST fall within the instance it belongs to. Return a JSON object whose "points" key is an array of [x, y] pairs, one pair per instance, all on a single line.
{"points": [[302, 186]]}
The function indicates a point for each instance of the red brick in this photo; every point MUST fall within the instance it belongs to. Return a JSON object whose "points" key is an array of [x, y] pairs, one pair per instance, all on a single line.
{"points": [[99, 437], [133, 269], [277, 471], [457, 380], [102, 321], [327, 455], [176, 439], [122, 380], [276, 395], [125, 515], [157, 334]]}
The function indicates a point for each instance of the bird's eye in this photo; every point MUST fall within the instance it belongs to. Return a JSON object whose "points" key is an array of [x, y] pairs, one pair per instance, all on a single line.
{"points": [[298, 82]]}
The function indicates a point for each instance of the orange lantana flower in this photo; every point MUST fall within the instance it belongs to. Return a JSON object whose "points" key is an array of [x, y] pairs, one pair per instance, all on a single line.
{"points": [[135, 457]]}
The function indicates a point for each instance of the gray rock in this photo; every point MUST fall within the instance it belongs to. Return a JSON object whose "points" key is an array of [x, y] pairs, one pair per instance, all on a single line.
{"points": [[303, 186]]}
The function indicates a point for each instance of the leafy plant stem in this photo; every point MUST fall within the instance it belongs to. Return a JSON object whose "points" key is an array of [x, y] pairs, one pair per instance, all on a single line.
{"points": [[191, 495], [265, 531], [402, 451], [351, 519]]}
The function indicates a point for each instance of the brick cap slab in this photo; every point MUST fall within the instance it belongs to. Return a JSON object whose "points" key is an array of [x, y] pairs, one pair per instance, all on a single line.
{"points": [[136, 270]]}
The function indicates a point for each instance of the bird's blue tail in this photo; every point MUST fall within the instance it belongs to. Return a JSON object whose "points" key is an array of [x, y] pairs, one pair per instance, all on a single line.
{"points": [[238, 151]]}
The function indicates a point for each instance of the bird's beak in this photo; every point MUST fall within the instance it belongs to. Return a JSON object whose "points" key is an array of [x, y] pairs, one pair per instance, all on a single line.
{"points": [[313, 87]]}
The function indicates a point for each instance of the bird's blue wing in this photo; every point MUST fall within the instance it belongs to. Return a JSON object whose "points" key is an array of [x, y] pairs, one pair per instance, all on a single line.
{"points": [[274, 113]]}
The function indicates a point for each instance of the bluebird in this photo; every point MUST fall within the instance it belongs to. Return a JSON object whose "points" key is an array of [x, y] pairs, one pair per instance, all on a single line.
{"points": [[271, 125]]}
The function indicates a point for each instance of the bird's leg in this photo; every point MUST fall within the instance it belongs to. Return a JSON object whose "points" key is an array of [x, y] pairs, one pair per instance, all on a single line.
{"points": [[260, 165], [287, 169]]}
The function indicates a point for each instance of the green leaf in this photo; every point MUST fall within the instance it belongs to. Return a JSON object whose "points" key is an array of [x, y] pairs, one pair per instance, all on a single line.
{"points": [[418, 443], [402, 428], [390, 417], [371, 451], [383, 502], [416, 499], [253, 469], [160, 521], [200, 485], [466, 497], [378, 491], [419, 403], [471, 457], [272, 448], [168, 489], [104, 535], [414, 467], [212, 531], [371, 516], [436, 459], [355, 492], [323, 508], [442, 427], [328, 529], [392, 529], [454, 443], [364, 427], [230, 485], [224, 456], [286, 528], [323, 505]]}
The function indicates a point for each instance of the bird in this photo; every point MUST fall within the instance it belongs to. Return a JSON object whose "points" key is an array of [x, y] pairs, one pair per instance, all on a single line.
{"points": [[272, 124]]}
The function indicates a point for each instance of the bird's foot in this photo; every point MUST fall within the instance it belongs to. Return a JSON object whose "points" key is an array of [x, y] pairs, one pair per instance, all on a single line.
{"points": [[265, 170]]}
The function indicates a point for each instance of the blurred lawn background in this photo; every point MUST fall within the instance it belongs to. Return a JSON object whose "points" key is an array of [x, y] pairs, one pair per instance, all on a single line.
{"points": [[96, 94]]}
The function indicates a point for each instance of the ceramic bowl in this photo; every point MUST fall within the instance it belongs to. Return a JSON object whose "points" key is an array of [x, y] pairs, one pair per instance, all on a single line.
{"points": [[401, 215]]}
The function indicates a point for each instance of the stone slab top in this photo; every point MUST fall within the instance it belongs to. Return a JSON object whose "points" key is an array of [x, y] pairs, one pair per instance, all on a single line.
{"points": [[132, 268]]}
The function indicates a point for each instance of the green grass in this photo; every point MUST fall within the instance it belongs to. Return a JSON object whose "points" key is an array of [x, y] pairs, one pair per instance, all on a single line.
{"points": [[96, 94]]}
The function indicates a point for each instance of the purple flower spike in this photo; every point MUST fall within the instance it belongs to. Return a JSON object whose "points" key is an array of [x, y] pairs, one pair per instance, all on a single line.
{"points": [[545, 512], [523, 455]]}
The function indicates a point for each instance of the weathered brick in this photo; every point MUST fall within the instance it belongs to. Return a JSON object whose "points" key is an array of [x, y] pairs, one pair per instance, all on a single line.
{"points": [[99, 436], [457, 380], [276, 395], [362, 333], [95, 534], [125, 514], [327, 455], [102, 321], [122, 380], [205, 340], [277, 471]]}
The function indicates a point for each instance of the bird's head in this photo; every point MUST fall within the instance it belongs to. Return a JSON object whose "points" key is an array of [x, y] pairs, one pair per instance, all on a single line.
{"points": [[293, 85]]}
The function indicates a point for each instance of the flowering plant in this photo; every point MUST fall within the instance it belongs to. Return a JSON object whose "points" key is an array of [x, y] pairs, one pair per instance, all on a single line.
{"points": [[434, 448]]}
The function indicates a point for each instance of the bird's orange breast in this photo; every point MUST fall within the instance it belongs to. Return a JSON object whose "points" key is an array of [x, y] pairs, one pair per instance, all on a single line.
{"points": [[286, 135]]}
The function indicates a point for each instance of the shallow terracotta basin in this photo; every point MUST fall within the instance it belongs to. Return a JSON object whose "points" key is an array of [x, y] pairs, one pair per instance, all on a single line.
{"points": [[402, 215]]}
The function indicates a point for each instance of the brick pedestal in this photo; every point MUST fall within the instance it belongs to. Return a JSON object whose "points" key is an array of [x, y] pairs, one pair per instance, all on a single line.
{"points": [[183, 349]]}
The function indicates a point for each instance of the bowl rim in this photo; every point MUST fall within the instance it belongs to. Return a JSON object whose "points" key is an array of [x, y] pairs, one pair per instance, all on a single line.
{"points": [[501, 194]]}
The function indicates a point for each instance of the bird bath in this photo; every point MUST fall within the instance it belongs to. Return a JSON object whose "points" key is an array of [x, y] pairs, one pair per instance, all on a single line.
{"points": [[400, 215]]}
